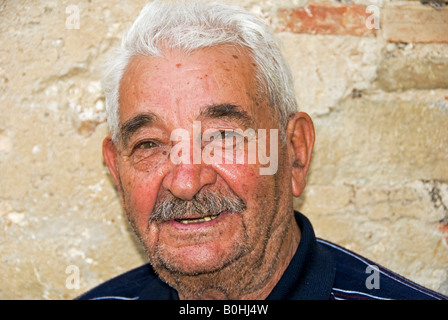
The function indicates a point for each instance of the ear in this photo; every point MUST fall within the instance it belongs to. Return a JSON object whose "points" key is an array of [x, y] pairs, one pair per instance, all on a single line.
{"points": [[300, 135], [110, 154]]}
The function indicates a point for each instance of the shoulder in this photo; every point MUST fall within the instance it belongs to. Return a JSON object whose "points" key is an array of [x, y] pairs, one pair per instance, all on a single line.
{"points": [[126, 286], [362, 279]]}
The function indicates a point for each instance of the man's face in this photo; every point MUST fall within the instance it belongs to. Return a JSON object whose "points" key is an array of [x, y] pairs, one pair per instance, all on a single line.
{"points": [[216, 88]]}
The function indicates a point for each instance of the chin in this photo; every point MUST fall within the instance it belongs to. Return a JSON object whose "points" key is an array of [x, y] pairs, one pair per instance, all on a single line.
{"points": [[200, 259]]}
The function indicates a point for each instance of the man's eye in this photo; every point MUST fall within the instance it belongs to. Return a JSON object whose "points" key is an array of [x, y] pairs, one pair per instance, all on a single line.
{"points": [[146, 145], [226, 134]]}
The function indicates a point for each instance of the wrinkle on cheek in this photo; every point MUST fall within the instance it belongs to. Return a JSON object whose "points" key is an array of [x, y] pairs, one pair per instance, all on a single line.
{"points": [[242, 178], [151, 239], [140, 190]]}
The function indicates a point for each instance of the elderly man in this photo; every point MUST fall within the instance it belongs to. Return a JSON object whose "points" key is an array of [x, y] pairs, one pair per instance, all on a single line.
{"points": [[207, 149]]}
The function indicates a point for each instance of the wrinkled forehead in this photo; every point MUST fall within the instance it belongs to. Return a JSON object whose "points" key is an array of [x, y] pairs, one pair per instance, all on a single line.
{"points": [[178, 86]]}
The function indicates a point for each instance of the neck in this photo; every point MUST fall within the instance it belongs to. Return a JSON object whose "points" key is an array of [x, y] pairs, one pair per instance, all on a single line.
{"points": [[252, 277]]}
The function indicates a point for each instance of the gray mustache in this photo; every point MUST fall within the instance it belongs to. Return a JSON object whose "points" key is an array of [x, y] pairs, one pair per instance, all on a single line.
{"points": [[169, 207]]}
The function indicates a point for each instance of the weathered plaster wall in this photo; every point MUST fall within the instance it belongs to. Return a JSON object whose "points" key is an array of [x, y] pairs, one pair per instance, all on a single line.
{"points": [[379, 177]]}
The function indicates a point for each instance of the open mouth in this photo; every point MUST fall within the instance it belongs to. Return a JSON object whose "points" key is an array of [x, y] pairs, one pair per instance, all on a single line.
{"points": [[197, 220]]}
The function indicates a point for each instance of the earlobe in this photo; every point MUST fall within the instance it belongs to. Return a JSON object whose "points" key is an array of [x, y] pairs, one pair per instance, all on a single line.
{"points": [[301, 137], [110, 154]]}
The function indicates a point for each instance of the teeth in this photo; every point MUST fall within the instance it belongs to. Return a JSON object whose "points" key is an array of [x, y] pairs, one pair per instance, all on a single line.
{"points": [[205, 219]]}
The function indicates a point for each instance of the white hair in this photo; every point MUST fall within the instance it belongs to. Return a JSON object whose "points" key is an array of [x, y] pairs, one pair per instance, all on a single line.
{"points": [[189, 26]]}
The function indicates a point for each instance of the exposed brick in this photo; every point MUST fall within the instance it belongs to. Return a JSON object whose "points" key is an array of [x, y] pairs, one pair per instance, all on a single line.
{"points": [[325, 18], [414, 23], [443, 229], [380, 142], [403, 74]]}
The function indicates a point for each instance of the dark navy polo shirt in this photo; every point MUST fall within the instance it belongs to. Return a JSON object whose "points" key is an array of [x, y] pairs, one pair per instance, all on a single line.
{"points": [[319, 270]]}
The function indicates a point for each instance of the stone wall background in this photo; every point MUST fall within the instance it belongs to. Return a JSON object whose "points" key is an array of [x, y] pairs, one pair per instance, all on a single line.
{"points": [[379, 98]]}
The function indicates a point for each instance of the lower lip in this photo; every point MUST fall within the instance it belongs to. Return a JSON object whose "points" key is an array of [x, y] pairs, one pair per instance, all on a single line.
{"points": [[198, 225]]}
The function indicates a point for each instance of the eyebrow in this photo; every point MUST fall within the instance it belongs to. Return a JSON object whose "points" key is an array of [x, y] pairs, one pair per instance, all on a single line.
{"points": [[136, 123], [228, 112]]}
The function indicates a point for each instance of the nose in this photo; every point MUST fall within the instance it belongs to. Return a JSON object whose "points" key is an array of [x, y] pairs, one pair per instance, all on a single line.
{"points": [[186, 180]]}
